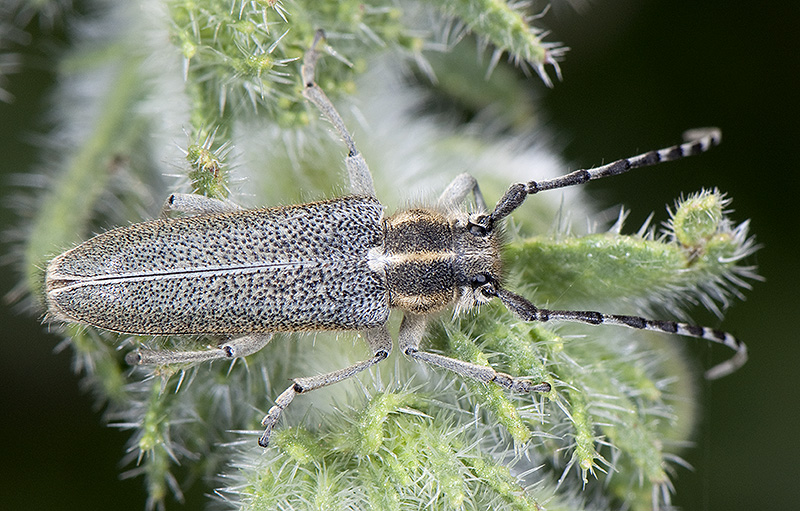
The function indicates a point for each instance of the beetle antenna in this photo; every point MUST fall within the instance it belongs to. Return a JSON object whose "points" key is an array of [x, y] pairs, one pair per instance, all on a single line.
{"points": [[526, 311], [697, 141]]}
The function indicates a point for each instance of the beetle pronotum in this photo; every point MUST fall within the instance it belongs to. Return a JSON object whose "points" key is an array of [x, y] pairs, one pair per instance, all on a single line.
{"points": [[338, 264]]}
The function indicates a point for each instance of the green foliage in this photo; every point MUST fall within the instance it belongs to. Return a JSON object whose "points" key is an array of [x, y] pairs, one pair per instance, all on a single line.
{"points": [[690, 262], [404, 436], [400, 452], [508, 30]]}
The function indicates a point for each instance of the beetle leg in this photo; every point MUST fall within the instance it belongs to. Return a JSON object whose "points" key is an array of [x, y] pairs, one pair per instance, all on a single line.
{"points": [[193, 204], [360, 176], [235, 348], [379, 341], [456, 193], [411, 331]]}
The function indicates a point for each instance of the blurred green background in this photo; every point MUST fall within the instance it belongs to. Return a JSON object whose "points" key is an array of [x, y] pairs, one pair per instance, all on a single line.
{"points": [[639, 72]]}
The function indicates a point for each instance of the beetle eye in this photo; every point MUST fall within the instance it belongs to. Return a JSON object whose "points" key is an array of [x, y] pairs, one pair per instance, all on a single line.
{"points": [[476, 227], [479, 280], [484, 284]]}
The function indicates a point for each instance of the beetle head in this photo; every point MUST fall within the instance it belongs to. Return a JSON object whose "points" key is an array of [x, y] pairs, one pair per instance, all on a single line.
{"points": [[478, 265]]}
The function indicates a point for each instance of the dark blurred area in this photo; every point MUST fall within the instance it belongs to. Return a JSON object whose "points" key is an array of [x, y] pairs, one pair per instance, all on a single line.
{"points": [[638, 74]]}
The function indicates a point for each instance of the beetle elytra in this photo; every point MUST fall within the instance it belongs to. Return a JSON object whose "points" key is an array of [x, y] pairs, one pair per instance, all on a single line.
{"points": [[338, 264]]}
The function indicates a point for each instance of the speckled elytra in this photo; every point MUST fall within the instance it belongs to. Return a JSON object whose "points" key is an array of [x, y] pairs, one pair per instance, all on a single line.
{"points": [[338, 264]]}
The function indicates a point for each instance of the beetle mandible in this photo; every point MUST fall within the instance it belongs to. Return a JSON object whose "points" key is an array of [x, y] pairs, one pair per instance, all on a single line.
{"points": [[337, 264]]}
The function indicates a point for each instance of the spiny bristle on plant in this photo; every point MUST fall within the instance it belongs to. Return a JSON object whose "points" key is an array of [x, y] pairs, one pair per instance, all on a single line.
{"points": [[506, 26], [700, 224]]}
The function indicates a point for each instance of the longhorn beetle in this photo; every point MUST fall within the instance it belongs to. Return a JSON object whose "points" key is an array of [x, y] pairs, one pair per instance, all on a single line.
{"points": [[337, 264]]}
